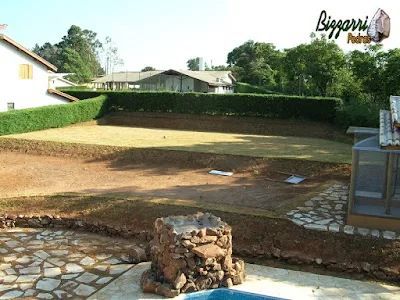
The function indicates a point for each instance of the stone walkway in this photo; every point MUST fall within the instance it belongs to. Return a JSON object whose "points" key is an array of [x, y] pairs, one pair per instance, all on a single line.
{"points": [[269, 281], [51, 264], [327, 212]]}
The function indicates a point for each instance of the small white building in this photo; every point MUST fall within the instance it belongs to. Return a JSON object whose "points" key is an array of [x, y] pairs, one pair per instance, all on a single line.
{"points": [[24, 78]]}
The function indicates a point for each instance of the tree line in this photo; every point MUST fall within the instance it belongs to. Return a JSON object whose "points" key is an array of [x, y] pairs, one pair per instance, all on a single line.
{"points": [[317, 68]]}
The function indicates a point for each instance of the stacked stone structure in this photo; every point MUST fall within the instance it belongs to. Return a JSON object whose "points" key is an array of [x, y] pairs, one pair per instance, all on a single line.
{"points": [[191, 253]]}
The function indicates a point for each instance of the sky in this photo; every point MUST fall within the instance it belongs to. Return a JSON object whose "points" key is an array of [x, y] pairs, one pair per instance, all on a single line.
{"points": [[165, 34]]}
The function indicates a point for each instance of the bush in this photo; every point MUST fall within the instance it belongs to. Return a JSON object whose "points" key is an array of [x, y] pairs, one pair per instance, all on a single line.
{"points": [[52, 116], [251, 105], [246, 88], [358, 114]]}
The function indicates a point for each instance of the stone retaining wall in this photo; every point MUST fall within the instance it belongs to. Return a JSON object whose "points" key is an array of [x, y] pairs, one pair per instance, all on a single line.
{"points": [[47, 221]]}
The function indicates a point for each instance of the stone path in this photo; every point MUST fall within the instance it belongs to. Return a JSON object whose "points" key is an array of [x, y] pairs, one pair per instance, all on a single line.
{"points": [[59, 264], [327, 212], [263, 280]]}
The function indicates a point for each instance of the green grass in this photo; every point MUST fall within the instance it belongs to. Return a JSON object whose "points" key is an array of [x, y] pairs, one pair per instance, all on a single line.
{"points": [[208, 142]]}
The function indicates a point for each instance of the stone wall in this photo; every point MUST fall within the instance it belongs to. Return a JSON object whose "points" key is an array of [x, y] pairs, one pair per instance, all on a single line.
{"points": [[48, 221], [188, 261]]}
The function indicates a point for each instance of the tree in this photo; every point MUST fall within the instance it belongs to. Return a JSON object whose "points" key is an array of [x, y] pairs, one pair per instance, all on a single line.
{"points": [[368, 67], [255, 63], [78, 50], [111, 58], [193, 64], [146, 69], [73, 63], [51, 53], [85, 43], [221, 68], [315, 65]]}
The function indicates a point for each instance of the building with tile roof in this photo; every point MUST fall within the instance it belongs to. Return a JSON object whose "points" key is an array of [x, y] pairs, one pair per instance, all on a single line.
{"points": [[173, 80]]}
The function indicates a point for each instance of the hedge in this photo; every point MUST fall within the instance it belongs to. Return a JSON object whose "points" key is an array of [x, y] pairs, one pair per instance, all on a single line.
{"points": [[246, 88], [52, 116], [252, 105]]}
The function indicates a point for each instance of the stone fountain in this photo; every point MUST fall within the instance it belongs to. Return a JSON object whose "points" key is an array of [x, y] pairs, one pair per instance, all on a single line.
{"points": [[191, 253]]}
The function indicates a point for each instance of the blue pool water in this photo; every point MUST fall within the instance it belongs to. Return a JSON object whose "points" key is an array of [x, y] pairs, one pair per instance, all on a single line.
{"points": [[226, 294]]}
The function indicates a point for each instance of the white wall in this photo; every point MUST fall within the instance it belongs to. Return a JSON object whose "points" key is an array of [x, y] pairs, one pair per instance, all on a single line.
{"points": [[56, 82], [24, 93], [174, 84], [221, 90]]}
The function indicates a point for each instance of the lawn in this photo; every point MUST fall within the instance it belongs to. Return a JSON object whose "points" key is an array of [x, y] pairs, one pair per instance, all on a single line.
{"points": [[208, 142]]}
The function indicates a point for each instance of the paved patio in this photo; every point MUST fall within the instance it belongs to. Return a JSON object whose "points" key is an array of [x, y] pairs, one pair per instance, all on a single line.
{"points": [[266, 281], [59, 264]]}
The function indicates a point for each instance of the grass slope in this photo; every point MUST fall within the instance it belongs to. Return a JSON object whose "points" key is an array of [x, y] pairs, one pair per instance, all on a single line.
{"points": [[288, 147]]}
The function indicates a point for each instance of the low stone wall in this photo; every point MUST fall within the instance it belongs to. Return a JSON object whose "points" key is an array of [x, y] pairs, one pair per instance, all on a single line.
{"points": [[186, 258], [257, 251], [47, 221]]}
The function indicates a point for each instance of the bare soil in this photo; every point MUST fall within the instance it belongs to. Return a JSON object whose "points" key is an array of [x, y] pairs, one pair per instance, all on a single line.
{"points": [[166, 174], [33, 167]]}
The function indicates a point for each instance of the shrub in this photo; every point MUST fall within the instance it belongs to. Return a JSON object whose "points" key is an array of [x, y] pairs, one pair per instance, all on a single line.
{"points": [[358, 114], [252, 105], [52, 116], [74, 88], [246, 88]]}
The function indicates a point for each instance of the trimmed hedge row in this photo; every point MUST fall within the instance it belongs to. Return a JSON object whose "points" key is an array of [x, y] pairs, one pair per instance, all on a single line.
{"points": [[52, 116], [252, 105]]}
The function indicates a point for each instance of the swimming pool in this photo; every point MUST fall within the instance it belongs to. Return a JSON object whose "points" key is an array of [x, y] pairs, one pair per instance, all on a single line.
{"points": [[227, 294]]}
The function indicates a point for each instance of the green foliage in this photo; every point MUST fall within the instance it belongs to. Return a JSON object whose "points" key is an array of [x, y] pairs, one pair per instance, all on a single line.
{"points": [[146, 69], [75, 88], [73, 63], [251, 105], [244, 88], [77, 53], [193, 64], [358, 114], [311, 68], [53, 116], [256, 63]]}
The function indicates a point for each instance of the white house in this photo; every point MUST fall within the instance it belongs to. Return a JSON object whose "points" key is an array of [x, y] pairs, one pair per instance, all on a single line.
{"points": [[24, 78]]}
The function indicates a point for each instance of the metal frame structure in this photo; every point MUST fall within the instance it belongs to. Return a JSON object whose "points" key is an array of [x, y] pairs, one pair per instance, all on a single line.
{"points": [[390, 166]]}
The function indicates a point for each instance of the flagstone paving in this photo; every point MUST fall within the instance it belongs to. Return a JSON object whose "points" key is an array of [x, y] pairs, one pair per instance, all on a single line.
{"points": [[327, 212], [59, 264]]}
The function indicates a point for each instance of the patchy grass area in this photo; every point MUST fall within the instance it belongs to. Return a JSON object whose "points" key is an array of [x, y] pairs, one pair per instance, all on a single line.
{"points": [[206, 142]]}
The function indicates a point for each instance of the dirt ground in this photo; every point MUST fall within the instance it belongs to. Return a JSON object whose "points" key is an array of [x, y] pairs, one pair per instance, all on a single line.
{"points": [[29, 168], [27, 175]]}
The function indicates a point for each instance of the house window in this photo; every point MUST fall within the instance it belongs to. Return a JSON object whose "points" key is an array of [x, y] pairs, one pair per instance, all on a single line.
{"points": [[25, 71], [10, 106]]}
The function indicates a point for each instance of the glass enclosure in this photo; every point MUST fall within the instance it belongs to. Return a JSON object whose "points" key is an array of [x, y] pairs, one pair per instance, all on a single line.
{"points": [[375, 182]]}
